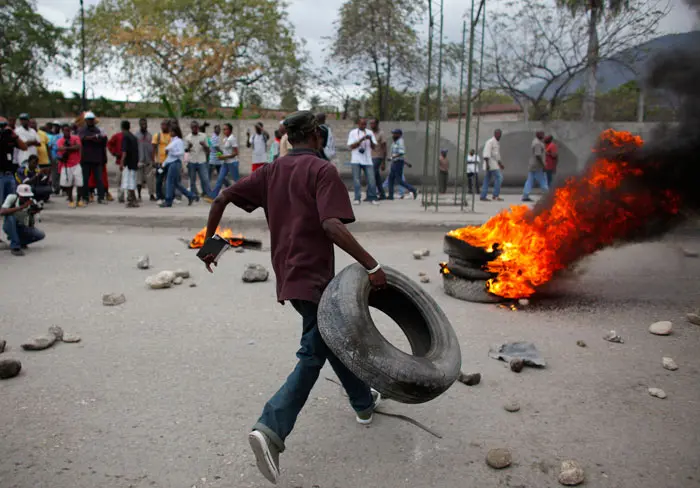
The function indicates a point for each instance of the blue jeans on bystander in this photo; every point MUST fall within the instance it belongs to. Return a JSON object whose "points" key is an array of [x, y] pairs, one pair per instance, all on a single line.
{"points": [[19, 234], [396, 178], [201, 169], [173, 181], [497, 177], [7, 185], [533, 176], [281, 411], [224, 170], [357, 170]]}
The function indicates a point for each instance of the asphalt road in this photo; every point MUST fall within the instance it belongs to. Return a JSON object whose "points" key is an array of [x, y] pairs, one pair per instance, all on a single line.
{"points": [[163, 389]]}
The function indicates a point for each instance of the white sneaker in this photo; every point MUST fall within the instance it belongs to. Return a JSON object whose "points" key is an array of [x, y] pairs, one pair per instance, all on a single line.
{"points": [[267, 456], [159, 202], [375, 202], [366, 418], [356, 202]]}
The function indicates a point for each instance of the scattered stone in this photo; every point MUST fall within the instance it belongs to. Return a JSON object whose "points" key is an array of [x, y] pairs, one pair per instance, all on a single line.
{"points": [[39, 343], [613, 336], [251, 343], [571, 473], [164, 279], [499, 458], [661, 328], [526, 351], [254, 273], [182, 273], [689, 253], [240, 250], [425, 252], [176, 254], [517, 365], [71, 338], [178, 280], [57, 332], [143, 263], [193, 285], [523, 302], [657, 392], [470, 379], [511, 407], [112, 299], [580, 343], [669, 364], [417, 254], [9, 368], [422, 273], [424, 279], [693, 318], [3, 344]]}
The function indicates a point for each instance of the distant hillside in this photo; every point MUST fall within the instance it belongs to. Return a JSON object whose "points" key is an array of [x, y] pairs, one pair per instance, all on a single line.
{"points": [[629, 65]]}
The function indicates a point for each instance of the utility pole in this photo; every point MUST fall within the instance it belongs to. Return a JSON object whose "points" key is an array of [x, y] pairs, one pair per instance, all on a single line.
{"points": [[82, 53]]}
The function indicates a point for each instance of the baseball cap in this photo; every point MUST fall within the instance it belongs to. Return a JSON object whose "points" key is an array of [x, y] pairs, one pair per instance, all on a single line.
{"points": [[89, 115], [24, 191], [396, 131], [24, 116]]}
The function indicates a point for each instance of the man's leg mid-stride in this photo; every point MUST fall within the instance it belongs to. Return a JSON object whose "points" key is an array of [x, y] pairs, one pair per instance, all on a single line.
{"points": [[281, 411], [485, 186]]}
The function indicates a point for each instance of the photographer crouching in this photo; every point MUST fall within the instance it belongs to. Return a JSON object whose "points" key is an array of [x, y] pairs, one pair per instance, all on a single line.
{"points": [[18, 211]]}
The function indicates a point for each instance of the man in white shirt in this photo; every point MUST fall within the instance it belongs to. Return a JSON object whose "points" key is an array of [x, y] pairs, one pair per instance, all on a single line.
{"points": [[198, 148], [361, 141], [472, 170], [258, 141], [492, 167], [228, 158], [30, 138]]}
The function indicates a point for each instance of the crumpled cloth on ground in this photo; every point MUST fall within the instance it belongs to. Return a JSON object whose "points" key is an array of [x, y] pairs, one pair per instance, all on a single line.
{"points": [[526, 351]]}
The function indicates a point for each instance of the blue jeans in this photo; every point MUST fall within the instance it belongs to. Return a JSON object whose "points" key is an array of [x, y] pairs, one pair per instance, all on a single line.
{"points": [[357, 170], [281, 411], [402, 190], [225, 169], [193, 169], [377, 163], [550, 177], [19, 234], [172, 182], [497, 177], [8, 185], [396, 178], [533, 176]]}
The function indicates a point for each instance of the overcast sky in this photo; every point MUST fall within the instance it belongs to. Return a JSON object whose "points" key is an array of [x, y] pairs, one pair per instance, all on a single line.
{"points": [[313, 20]]}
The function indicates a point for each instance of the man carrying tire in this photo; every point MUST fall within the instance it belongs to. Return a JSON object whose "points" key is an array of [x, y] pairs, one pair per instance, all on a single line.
{"points": [[307, 206]]}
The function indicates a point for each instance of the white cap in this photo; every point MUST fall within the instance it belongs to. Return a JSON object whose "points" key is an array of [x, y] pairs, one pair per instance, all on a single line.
{"points": [[282, 122], [24, 191], [89, 115]]}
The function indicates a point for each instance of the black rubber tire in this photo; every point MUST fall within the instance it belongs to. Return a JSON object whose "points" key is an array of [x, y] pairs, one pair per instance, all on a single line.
{"points": [[459, 249], [469, 290], [467, 270], [347, 328]]}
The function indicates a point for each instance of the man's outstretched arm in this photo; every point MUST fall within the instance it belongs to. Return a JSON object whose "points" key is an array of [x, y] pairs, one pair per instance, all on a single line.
{"points": [[341, 237]]}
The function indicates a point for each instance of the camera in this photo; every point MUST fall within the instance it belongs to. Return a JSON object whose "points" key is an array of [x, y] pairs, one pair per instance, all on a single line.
{"points": [[35, 207], [361, 150]]}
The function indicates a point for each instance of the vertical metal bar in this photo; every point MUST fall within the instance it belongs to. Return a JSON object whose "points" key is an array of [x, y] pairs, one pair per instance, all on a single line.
{"points": [[83, 100], [427, 105], [459, 177], [469, 87], [481, 83], [438, 123]]}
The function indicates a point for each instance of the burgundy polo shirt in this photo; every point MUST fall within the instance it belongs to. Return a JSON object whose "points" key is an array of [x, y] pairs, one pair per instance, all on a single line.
{"points": [[298, 192]]}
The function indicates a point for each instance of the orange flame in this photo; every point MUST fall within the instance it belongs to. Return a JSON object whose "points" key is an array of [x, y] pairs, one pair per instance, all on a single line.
{"points": [[234, 239], [586, 214]]}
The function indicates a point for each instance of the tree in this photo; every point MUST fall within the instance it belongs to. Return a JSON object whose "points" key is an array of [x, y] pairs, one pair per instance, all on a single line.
{"points": [[204, 50], [289, 101], [378, 38], [315, 102], [538, 50], [28, 43], [595, 10]]}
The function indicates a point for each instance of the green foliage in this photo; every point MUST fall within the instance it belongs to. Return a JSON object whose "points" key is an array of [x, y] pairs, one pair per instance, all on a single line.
{"points": [[28, 43], [289, 101]]}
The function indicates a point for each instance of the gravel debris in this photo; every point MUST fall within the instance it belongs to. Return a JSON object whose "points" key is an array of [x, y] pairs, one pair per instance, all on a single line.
{"points": [[112, 299], [499, 458], [669, 364], [571, 473], [657, 392]]}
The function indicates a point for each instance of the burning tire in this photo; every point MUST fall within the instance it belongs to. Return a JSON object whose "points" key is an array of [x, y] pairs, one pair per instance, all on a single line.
{"points": [[468, 270], [460, 249], [347, 328], [469, 290]]}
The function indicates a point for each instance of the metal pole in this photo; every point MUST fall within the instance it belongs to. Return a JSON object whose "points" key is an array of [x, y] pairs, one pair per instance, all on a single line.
{"points": [[439, 117], [427, 105], [481, 84], [459, 177], [469, 88], [82, 53]]}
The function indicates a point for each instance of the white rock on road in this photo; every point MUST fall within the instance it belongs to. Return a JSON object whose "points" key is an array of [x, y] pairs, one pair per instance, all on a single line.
{"points": [[663, 327], [417, 254], [113, 299], [669, 364], [254, 273], [164, 279], [571, 473], [182, 273], [693, 318], [143, 263], [178, 280], [657, 392]]}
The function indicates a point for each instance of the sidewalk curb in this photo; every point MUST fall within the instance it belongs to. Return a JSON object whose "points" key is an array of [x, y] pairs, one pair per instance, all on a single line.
{"points": [[240, 225]]}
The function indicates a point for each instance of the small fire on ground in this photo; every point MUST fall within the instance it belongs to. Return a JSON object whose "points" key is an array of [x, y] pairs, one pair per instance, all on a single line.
{"points": [[234, 239], [606, 204]]}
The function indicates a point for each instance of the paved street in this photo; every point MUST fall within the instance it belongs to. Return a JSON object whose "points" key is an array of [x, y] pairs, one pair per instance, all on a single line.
{"points": [[163, 389]]}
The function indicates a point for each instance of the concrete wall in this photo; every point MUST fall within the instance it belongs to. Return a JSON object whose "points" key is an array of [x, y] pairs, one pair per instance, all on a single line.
{"points": [[575, 141]]}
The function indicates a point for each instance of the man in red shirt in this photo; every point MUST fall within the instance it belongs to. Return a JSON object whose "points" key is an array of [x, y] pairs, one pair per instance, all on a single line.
{"points": [[114, 146], [551, 159], [307, 206], [69, 169]]}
